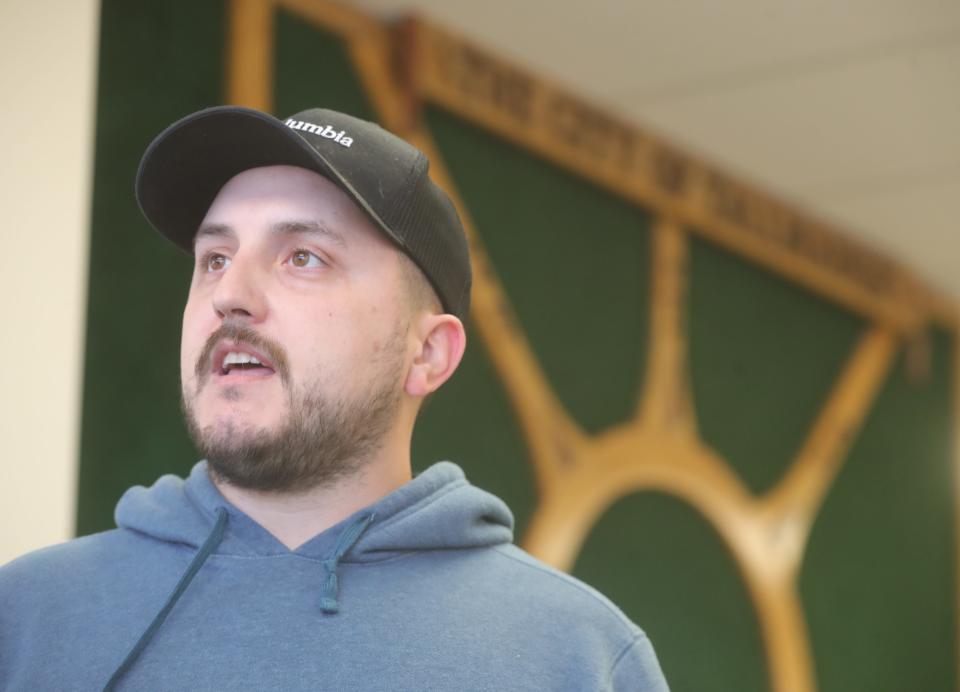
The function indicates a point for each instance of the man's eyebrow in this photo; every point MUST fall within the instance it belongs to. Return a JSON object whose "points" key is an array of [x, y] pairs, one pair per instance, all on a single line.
{"points": [[309, 227], [212, 229]]}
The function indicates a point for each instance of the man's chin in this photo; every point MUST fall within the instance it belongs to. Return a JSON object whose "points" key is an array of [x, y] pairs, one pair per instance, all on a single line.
{"points": [[226, 432], [242, 457], [242, 426], [230, 434], [233, 417]]}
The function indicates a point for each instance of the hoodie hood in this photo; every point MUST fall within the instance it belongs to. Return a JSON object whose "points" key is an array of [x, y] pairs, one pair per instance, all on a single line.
{"points": [[437, 510]]}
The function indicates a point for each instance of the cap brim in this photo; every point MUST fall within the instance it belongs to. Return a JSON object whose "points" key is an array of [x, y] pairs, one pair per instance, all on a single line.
{"points": [[185, 167]]}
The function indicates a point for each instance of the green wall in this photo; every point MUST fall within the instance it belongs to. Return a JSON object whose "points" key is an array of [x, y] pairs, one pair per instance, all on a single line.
{"points": [[878, 580], [158, 61]]}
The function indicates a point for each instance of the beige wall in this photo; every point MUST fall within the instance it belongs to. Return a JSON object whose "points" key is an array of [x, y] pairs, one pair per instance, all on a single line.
{"points": [[48, 52]]}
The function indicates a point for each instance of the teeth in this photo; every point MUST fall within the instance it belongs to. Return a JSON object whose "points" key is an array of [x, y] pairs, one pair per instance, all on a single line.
{"points": [[239, 358]]}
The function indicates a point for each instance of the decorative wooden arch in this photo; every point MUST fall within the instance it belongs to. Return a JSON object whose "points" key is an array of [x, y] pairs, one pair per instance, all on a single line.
{"points": [[659, 447]]}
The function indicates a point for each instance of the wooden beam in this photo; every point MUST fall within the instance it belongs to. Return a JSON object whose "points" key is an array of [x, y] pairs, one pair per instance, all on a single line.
{"points": [[249, 68], [797, 498], [666, 402]]}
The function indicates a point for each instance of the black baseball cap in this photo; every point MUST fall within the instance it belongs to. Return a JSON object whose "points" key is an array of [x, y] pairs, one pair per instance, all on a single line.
{"points": [[188, 163]]}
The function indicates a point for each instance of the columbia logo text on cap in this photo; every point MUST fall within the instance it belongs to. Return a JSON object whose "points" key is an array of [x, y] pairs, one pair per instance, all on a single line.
{"points": [[325, 132]]}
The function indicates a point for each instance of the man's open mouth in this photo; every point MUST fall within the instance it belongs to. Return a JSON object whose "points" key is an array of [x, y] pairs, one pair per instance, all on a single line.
{"points": [[235, 360]]}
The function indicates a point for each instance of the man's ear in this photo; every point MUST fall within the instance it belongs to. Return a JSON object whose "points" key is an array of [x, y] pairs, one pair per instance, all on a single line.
{"points": [[441, 342]]}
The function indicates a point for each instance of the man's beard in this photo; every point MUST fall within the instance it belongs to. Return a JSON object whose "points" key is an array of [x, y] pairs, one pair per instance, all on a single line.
{"points": [[323, 439]]}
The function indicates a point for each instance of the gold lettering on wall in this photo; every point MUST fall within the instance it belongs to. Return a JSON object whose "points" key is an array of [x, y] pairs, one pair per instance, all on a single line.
{"points": [[534, 114]]}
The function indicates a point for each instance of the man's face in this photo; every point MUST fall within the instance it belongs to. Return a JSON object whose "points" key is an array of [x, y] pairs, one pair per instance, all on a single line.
{"points": [[295, 333]]}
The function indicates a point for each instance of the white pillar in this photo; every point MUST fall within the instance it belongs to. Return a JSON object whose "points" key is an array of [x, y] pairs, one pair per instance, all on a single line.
{"points": [[48, 67]]}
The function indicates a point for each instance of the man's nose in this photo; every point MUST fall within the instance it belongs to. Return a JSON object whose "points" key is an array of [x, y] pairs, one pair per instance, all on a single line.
{"points": [[239, 291]]}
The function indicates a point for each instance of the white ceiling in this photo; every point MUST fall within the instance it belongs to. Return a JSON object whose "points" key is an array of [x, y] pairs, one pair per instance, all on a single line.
{"points": [[851, 109]]}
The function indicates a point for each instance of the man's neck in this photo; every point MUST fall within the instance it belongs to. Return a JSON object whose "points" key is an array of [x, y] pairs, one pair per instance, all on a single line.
{"points": [[295, 518]]}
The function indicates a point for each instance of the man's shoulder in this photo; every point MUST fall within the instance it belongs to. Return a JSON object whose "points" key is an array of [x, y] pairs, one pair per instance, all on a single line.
{"points": [[505, 585], [66, 562], [586, 634], [542, 584]]}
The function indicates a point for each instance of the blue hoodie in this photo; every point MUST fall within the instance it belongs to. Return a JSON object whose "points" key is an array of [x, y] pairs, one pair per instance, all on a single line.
{"points": [[420, 591]]}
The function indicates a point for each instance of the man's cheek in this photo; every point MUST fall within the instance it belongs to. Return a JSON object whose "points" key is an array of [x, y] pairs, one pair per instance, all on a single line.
{"points": [[190, 352]]}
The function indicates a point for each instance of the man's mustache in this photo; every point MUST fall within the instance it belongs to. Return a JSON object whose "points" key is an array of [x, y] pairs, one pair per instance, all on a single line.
{"points": [[244, 335]]}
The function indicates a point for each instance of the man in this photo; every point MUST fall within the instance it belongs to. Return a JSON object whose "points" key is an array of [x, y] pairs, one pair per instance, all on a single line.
{"points": [[328, 297]]}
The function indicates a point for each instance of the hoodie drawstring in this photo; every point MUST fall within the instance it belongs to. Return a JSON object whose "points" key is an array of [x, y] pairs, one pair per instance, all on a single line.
{"points": [[331, 587], [213, 540]]}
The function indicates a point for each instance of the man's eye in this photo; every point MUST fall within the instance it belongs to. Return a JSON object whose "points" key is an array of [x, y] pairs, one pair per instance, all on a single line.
{"points": [[214, 262], [305, 259]]}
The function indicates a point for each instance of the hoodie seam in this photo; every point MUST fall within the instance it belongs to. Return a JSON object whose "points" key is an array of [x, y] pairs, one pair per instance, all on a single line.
{"points": [[316, 560], [189, 543], [164, 540], [623, 654], [582, 588], [185, 543]]}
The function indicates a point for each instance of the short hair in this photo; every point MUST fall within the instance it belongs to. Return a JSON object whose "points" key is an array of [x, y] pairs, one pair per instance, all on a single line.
{"points": [[420, 293]]}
